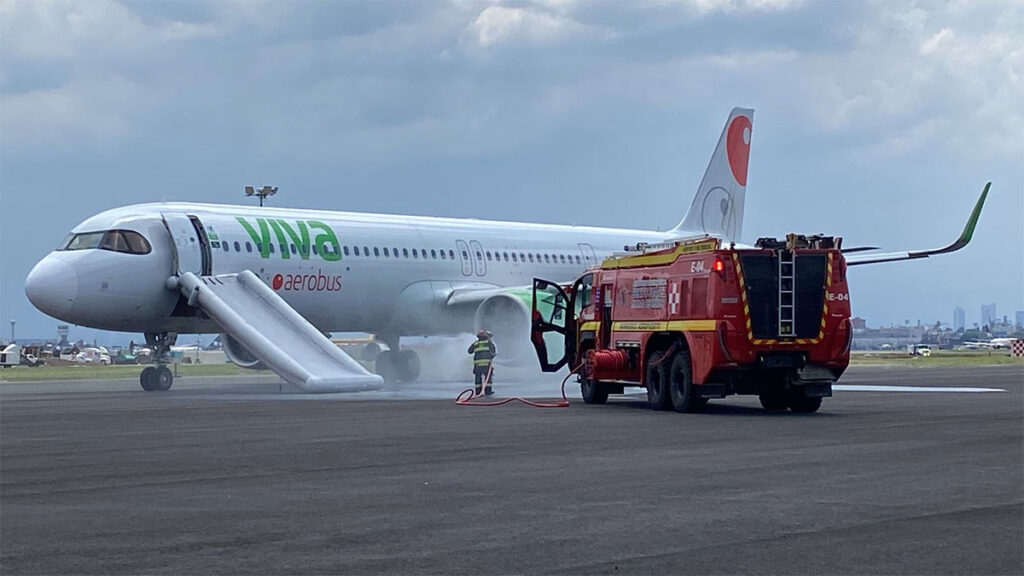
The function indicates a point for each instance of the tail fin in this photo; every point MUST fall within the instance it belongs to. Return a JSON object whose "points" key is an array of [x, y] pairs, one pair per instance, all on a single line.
{"points": [[717, 209]]}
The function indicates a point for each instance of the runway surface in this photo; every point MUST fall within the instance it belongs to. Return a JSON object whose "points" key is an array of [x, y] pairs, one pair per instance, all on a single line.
{"points": [[231, 475]]}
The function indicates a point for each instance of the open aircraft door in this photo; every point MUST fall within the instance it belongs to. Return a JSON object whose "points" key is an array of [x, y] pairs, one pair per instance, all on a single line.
{"points": [[553, 328], [191, 248]]}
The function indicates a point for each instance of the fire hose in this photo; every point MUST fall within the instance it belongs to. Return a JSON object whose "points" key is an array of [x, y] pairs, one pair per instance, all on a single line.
{"points": [[466, 396]]}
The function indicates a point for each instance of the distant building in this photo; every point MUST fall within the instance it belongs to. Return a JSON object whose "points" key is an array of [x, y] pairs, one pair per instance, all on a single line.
{"points": [[1020, 320], [959, 315], [988, 314], [859, 323]]}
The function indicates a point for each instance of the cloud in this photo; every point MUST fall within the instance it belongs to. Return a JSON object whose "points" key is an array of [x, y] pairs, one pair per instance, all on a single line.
{"points": [[497, 25]]}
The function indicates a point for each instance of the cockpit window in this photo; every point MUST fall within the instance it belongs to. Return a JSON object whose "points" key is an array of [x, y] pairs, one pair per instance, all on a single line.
{"points": [[83, 241], [126, 241]]}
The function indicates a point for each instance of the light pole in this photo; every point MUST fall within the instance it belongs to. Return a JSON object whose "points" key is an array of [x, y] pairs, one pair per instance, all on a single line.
{"points": [[263, 192], [12, 330]]}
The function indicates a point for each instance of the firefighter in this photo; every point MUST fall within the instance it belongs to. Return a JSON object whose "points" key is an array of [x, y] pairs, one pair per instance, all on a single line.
{"points": [[483, 352]]}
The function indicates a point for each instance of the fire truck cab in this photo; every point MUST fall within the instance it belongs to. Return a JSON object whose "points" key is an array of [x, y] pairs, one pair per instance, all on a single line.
{"points": [[693, 320]]}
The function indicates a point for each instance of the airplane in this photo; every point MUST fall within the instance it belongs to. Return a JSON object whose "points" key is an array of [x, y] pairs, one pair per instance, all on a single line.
{"points": [[996, 343], [274, 281]]}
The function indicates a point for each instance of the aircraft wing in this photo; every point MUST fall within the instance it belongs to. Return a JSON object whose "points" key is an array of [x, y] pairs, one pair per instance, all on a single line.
{"points": [[473, 293], [963, 240]]}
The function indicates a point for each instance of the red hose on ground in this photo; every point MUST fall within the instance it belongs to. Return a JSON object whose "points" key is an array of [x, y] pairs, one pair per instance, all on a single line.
{"points": [[466, 396]]}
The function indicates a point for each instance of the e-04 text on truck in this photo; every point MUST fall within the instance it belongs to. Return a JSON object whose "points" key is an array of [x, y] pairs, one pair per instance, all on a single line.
{"points": [[693, 320]]}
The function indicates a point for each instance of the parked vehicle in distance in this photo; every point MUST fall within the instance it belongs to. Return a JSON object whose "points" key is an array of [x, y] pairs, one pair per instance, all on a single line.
{"points": [[93, 356]]}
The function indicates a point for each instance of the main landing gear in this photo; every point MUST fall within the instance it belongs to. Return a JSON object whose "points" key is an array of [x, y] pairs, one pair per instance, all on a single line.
{"points": [[158, 378], [397, 365]]}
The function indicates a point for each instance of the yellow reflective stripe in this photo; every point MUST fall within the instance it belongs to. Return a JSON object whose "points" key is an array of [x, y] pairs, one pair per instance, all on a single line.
{"points": [[590, 326]]}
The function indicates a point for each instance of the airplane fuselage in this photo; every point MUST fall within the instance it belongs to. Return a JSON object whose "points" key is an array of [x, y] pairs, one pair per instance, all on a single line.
{"points": [[342, 271]]}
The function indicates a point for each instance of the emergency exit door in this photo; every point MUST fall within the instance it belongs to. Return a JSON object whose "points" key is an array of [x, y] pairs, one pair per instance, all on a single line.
{"points": [[191, 248]]}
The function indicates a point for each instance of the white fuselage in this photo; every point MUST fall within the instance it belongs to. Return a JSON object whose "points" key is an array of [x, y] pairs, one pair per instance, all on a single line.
{"points": [[342, 271]]}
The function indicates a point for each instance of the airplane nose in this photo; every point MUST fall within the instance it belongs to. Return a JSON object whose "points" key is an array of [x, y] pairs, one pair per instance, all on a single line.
{"points": [[52, 286]]}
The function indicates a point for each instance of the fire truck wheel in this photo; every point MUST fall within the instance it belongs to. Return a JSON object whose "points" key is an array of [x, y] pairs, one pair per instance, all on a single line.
{"points": [[774, 401], [804, 405], [657, 383], [593, 391], [681, 390]]}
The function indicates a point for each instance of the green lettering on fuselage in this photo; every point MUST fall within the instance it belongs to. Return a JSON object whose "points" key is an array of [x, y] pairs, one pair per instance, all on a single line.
{"points": [[325, 244], [300, 239]]}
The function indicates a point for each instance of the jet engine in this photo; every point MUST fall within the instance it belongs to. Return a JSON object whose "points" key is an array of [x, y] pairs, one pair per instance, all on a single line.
{"points": [[239, 354], [507, 317]]}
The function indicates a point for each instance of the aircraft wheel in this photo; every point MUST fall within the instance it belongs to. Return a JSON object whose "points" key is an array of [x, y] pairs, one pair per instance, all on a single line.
{"points": [[593, 391], [657, 383], [684, 396], [386, 366], [408, 365], [163, 379], [147, 378], [371, 351]]}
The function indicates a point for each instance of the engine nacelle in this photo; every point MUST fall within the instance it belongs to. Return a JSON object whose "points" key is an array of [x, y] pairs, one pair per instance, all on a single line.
{"points": [[507, 317], [239, 354]]}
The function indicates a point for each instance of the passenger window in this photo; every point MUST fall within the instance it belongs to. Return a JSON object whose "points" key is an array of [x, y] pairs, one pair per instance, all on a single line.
{"points": [[433, 254], [387, 253], [405, 252], [488, 255], [451, 254], [505, 254], [293, 249], [465, 255], [284, 248], [344, 249], [248, 247], [238, 248], [531, 258], [547, 259], [478, 256], [314, 249], [224, 245], [414, 254], [376, 251], [514, 257], [443, 255], [271, 246], [366, 251], [522, 257], [395, 252]]}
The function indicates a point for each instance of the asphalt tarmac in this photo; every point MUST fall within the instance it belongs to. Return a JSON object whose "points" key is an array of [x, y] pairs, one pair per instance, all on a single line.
{"points": [[231, 475]]}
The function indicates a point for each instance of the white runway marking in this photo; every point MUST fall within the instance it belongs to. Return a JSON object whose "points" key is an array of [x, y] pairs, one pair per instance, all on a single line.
{"points": [[861, 388]]}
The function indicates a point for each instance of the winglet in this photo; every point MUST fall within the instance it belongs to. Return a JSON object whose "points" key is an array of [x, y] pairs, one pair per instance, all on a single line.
{"points": [[971, 222], [963, 240]]}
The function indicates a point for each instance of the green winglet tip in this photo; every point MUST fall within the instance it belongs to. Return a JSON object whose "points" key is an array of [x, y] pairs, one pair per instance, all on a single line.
{"points": [[973, 220]]}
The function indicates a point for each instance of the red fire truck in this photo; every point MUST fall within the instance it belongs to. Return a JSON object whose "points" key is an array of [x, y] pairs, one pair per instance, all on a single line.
{"points": [[693, 320]]}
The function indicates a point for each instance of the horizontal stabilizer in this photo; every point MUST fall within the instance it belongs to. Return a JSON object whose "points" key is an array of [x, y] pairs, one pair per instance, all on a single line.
{"points": [[963, 240], [252, 313]]}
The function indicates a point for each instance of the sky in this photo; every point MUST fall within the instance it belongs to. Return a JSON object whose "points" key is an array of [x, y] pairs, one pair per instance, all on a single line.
{"points": [[876, 121]]}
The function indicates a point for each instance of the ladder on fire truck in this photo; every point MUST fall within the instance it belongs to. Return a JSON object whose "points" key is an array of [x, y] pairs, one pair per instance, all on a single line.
{"points": [[787, 293]]}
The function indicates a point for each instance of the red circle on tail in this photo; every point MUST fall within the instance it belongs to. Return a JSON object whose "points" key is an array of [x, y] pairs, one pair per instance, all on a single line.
{"points": [[278, 282], [738, 147]]}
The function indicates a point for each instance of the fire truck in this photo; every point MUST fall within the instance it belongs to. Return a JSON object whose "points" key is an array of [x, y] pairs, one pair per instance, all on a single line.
{"points": [[694, 320]]}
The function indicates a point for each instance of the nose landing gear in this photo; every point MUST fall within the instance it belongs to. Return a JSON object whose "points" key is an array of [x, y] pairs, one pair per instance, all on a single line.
{"points": [[159, 378]]}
